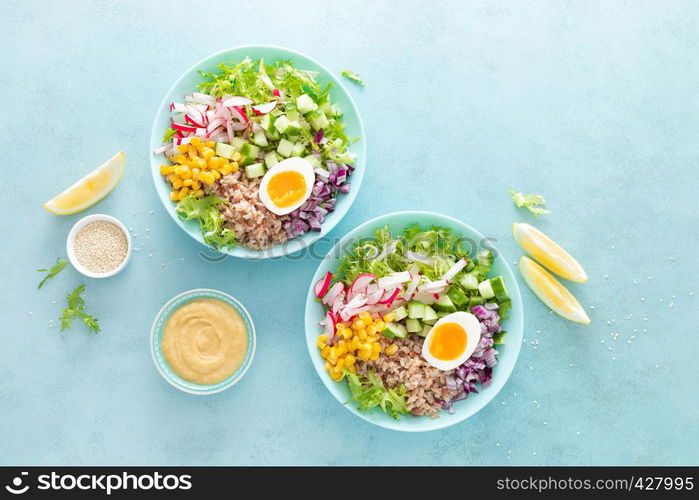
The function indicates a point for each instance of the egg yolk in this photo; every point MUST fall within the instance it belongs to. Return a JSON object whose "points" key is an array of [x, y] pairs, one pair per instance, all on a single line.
{"points": [[448, 341], [286, 188]]}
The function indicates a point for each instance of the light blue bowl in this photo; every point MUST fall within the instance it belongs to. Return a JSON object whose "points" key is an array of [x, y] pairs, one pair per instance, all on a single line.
{"points": [[186, 84], [507, 356], [156, 339]]}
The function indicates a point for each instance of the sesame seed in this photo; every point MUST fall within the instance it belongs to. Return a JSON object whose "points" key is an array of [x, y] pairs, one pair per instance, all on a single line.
{"points": [[606, 276], [577, 433], [152, 212], [545, 422], [592, 307], [533, 453], [531, 367], [672, 259], [671, 305], [635, 282], [147, 230], [601, 341], [657, 366], [691, 294], [30, 314], [497, 443], [100, 246], [150, 254], [649, 278], [613, 358], [643, 299], [53, 302], [610, 348], [571, 364], [613, 247], [162, 264]]}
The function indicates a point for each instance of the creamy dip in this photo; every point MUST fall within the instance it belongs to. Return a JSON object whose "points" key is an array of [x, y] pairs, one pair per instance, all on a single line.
{"points": [[205, 341]]}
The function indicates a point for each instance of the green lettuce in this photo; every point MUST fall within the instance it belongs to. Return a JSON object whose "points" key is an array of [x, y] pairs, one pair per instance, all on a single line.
{"points": [[353, 77], [531, 202], [206, 211], [370, 392]]}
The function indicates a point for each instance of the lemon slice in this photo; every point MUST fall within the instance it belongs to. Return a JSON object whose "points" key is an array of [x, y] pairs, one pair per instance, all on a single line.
{"points": [[90, 189], [551, 292], [548, 253]]}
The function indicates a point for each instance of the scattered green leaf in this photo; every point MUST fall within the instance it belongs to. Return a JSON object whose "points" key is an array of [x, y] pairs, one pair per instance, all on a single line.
{"points": [[76, 308], [353, 77], [369, 392], [57, 268], [205, 210], [529, 201], [167, 137]]}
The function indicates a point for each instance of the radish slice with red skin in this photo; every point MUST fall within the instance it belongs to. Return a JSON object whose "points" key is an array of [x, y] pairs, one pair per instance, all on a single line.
{"points": [[204, 98], [183, 128], [391, 297], [412, 286], [242, 115], [394, 279], [357, 301], [338, 303], [277, 92], [425, 298], [322, 285], [374, 297], [434, 286], [236, 101], [162, 149], [192, 121], [334, 291], [359, 284], [329, 327], [455, 269], [263, 109]]}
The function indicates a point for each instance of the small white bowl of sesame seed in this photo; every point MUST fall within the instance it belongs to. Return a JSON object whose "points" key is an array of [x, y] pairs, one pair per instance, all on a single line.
{"points": [[99, 246]]}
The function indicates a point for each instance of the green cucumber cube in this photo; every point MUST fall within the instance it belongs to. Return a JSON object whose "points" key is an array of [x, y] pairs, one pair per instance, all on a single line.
{"points": [[485, 258], [416, 310], [266, 121], [444, 304], [260, 139], [400, 313], [313, 160], [469, 282], [395, 330], [238, 142], [225, 150], [271, 159], [486, 289], [249, 154], [284, 148], [298, 149], [499, 289], [281, 124], [305, 104], [425, 330], [413, 325], [457, 295], [255, 170], [430, 317], [318, 120]]}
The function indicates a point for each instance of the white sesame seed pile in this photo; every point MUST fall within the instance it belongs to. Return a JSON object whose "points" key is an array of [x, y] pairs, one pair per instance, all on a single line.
{"points": [[100, 246]]}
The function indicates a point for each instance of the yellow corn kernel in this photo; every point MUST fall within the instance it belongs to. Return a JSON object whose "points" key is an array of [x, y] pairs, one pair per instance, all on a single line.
{"points": [[236, 157], [389, 317], [173, 195], [183, 171], [176, 181], [182, 148], [210, 144], [346, 333], [206, 177], [340, 350], [333, 353], [376, 347], [371, 329], [374, 356], [195, 141], [235, 166], [391, 350], [362, 334], [183, 193], [340, 363], [195, 173], [198, 193], [363, 355], [328, 366], [354, 345], [322, 338], [200, 163], [352, 369], [321, 345], [336, 376], [207, 153], [358, 324], [196, 185], [340, 326], [225, 170], [166, 169], [342, 343], [379, 325], [181, 158], [216, 174], [325, 352], [365, 316], [214, 162], [350, 359], [187, 182], [192, 151]]}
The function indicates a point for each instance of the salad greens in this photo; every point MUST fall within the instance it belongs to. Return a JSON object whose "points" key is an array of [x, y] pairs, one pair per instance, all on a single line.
{"points": [[369, 392], [205, 210], [53, 271], [76, 308], [529, 201], [353, 77]]}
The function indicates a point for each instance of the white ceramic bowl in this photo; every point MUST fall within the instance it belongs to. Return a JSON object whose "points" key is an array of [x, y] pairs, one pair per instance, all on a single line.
{"points": [[70, 245]]}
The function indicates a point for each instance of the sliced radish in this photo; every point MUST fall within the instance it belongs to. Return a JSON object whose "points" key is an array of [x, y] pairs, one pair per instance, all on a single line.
{"points": [[455, 269], [412, 286], [203, 98], [162, 149], [322, 285], [359, 284], [374, 297], [388, 298], [183, 128], [426, 298], [277, 92], [239, 113], [329, 327], [236, 101], [263, 109], [434, 286], [334, 291], [394, 279], [338, 303]]}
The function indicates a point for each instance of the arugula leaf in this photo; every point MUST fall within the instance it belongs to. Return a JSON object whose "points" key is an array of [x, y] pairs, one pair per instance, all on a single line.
{"points": [[205, 210], [353, 77], [529, 201], [76, 306], [370, 392], [57, 268], [167, 136]]}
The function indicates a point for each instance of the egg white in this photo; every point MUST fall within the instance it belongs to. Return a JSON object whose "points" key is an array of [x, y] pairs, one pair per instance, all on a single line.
{"points": [[471, 326], [290, 164]]}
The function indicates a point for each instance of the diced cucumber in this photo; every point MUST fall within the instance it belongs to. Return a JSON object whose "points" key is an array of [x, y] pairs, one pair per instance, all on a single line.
{"points": [[293, 116], [469, 282], [237, 142], [225, 150], [413, 325], [260, 139], [485, 289], [400, 313], [430, 317], [394, 330], [284, 148], [444, 304], [298, 149], [281, 123], [318, 120], [313, 160], [255, 170], [457, 295], [485, 258], [441, 314], [416, 310], [249, 154], [272, 134], [475, 301], [499, 338], [499, 289], [271, 159], [304, 104], [266, 121], [425, 330], [293, 128]]}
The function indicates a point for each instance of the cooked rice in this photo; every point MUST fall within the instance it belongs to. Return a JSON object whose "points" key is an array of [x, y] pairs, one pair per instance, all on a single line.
{"points": [[425, 385], [253, 224]]}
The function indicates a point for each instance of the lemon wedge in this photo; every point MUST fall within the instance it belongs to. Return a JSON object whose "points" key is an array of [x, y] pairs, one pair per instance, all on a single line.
{"points": [[551, 292], [90, 189], [548, 253]]}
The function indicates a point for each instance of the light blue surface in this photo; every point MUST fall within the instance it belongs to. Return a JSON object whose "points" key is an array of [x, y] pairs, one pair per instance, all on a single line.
{"points": [[340, 97], [593, 104], [507, 353]]}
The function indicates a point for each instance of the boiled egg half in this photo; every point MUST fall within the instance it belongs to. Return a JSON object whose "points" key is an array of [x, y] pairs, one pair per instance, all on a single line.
{"points": [[452, 340], [287, 185]]}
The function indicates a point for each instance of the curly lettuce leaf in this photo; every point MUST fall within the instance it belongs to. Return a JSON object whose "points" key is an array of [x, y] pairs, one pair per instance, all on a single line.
{"points": [[353, 77], [531, 202], [369, 392], [205, 210]]}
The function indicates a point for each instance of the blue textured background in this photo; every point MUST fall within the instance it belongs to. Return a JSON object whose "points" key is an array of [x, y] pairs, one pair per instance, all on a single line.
{"points": [[594, 104]]}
